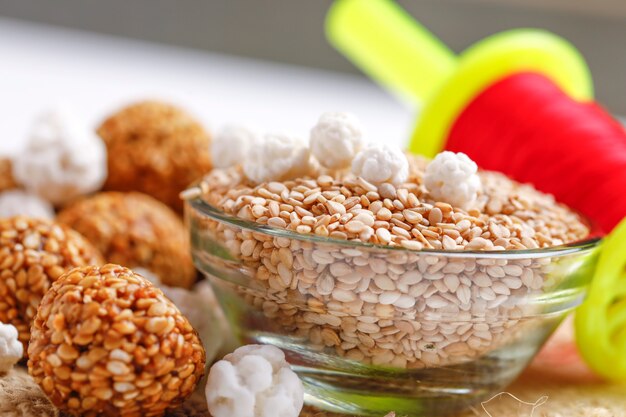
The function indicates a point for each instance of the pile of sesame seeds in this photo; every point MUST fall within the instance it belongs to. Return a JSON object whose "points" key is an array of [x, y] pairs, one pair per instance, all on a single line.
{"points": [[403, 309], [507, 215]]}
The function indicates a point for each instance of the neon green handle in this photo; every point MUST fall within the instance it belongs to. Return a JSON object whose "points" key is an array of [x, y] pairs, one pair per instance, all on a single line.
{"points": [[601, 320], [390, 46]]}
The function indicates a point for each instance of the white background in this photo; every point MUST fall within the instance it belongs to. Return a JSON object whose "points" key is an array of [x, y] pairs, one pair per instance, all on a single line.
{"points": [[95, 75]]}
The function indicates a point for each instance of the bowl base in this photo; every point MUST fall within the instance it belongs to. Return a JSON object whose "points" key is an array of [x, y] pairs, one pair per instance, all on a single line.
{"points": [[351, 388]]}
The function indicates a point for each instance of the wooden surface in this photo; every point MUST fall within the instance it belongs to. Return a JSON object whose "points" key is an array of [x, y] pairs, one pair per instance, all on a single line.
{"points": [[557, 377], [20, 397]]}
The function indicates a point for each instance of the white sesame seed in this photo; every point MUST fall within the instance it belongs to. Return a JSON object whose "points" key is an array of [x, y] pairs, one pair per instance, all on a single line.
{"points": [[389, 297]]}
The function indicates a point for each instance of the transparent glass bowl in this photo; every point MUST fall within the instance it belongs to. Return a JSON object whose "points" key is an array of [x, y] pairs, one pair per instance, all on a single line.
{"points": [[372, 329]]}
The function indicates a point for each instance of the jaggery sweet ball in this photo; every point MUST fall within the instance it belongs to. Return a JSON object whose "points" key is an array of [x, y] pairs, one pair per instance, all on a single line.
{"points": [[7, 180], [135, 230], [155, 148], [33, 254], [106, 342]]}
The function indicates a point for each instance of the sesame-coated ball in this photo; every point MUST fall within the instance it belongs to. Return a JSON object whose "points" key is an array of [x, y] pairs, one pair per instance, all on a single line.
{"points": [[33, 254], [135, 230], [7, 180], [106, 342], [155, 148]]}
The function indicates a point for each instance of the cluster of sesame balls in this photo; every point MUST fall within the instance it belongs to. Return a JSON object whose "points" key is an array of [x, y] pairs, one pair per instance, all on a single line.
{"points": [[75, 204]]}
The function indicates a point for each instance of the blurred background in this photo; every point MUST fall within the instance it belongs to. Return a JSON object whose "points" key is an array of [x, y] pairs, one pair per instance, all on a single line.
{"points": [[261, 62]]}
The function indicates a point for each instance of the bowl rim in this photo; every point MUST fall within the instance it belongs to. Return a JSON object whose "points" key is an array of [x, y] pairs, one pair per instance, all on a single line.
{"points": [[200, 205]]}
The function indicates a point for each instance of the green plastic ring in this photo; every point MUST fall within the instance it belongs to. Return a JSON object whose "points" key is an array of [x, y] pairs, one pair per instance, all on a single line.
{"points": [[601, 320], [490, 60]]}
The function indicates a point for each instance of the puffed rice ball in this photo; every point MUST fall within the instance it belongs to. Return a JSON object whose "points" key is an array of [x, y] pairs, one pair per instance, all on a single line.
{"points": [[453, 178], [336, 139], [381, 163], [11, 349], [63, 158], [254, 381], [33, 254], [277, 157], [106, 342], [7, 181], [20, 202], [231, 144], [155, 148], [135, 230]]}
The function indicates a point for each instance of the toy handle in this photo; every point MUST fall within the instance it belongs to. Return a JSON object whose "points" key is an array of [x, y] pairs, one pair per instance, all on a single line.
{"points": [[391, 47], [601, 320]]}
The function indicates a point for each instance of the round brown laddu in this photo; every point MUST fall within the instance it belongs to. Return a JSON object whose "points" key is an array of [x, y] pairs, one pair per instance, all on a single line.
{"points": [[7, 181], [135, 230], [107, 342], [33, 254], [155, 148]]}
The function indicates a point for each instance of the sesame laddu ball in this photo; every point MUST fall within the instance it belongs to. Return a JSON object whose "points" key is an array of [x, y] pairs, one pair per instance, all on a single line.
{"points": [[106, 342], [7, 180], [155, 148], [33, 254], [135, 230]]}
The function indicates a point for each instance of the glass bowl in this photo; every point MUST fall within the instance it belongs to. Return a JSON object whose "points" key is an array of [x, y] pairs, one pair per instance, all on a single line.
{"points": [[371, 329]]}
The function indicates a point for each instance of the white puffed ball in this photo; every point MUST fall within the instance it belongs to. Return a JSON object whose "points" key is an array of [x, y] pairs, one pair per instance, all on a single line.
{"points": [[381, 163], [277, 157], [254, 381], [452, 178], [23, 203], [11, 348], [63, 158], [336, 139], [230, 145]]}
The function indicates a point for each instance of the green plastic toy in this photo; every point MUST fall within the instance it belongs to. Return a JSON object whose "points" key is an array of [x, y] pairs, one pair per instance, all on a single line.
{"points": [[399, 53], [601, 320]]}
